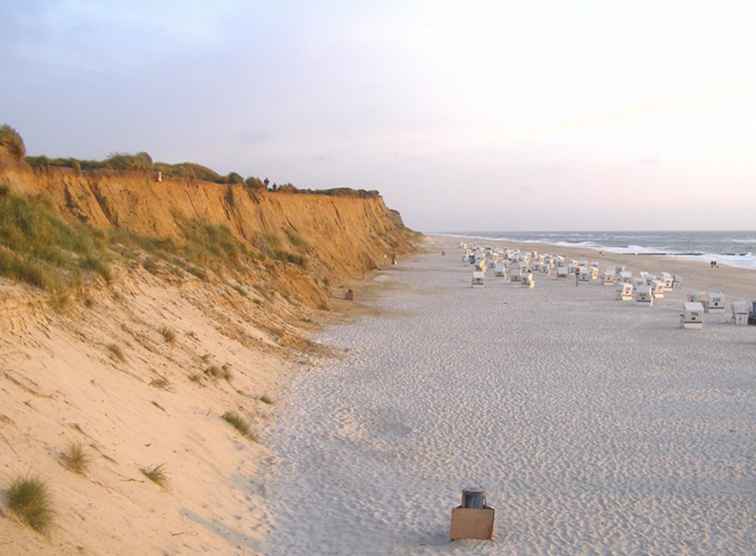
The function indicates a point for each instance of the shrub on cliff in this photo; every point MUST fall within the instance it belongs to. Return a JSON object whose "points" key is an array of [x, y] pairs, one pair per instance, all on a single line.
{"points": [[122, 161], [12, 143], [234, 178], [255, 183]]}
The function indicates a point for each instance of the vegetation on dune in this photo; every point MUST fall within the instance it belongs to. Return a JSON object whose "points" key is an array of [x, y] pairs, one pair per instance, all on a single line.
{"points": [[37, 247], [270, 246], [29, 499], [236, 421], [75, 459], [12, 143], [155, 474], [168, 334]]}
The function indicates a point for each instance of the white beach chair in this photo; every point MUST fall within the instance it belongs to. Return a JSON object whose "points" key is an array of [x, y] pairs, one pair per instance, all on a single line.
{"points": [[740, 313], [516, 272], [624, 291], [658, 289], [626, 277], [666, 277], [692, 315], [716, 302], [478, 279], [562, 272], [644, 295]]}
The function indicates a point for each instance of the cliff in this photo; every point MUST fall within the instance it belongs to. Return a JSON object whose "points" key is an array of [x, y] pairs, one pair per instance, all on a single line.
{"points": [[149, 331]]}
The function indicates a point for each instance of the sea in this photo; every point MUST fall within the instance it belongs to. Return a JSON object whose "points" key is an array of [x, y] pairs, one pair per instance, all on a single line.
{"points": [[727, 248]]}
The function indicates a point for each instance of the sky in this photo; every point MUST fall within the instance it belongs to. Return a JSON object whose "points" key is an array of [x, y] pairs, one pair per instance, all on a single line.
{"points": [[478, 115]]}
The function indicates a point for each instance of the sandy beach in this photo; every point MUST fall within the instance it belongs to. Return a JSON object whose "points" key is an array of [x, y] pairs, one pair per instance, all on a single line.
{"points": [[595, 426]]}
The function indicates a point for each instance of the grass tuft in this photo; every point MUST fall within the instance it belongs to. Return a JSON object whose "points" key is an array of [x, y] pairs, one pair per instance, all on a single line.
{"points": [[236, 421], [116, 351], [155, 474], [29, 499], [75, 459], [161, 383], [168, 334]]}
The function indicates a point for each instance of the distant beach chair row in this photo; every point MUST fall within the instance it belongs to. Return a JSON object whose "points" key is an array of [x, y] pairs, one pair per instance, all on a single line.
{"points": [[514, 265]]}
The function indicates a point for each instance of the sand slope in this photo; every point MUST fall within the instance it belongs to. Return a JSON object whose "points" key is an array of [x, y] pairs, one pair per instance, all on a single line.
{"points": [[596, 427]]}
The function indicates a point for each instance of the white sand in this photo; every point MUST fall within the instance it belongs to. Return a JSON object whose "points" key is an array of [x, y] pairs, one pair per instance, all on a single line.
{"points": [[596, 427]]}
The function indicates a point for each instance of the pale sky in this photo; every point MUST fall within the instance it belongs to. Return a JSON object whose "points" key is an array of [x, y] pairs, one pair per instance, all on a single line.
{"points": [[487, 115]]}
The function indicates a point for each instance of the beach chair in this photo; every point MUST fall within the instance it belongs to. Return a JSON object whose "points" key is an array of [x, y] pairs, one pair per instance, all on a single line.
{"points": [[562, 272], [609, 278], [516, 272], [715, 302], [658, 289], [528, 281], [692, 315], [644, 295], [752, 314], [500, 269], [584, 274], [626, 277], [478, 279], [666, 277], [624, 291], [740, 313]]}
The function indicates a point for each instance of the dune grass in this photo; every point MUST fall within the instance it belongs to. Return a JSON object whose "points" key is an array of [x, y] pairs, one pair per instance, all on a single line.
{"points": [[155, 474], [168, 334], [161, 383], [236, 421], [75, 459], [29, 499], [39, 248], [117, 352]]}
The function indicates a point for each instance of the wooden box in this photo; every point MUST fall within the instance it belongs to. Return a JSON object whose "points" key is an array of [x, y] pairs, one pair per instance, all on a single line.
{"points": [[472, 523]]}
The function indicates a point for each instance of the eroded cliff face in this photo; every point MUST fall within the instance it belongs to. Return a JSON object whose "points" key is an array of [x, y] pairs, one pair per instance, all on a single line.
{"points": [[345, 234], [139, 371]]}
